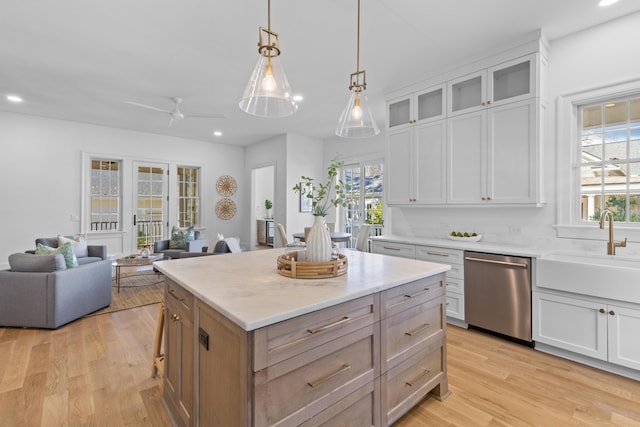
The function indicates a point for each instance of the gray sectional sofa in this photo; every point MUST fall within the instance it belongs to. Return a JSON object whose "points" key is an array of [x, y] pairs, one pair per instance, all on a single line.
{"points": [[39, 291]]}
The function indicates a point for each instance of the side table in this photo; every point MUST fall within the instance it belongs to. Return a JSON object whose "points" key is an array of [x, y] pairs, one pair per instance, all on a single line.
{"points": [[134, 261]]}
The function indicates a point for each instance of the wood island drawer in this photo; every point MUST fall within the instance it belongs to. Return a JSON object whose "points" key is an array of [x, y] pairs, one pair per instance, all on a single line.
{"points": [[305, 385], [400, 298], [178, 297], [406, 384], [404, 333], [278, 342], [360, 409]]}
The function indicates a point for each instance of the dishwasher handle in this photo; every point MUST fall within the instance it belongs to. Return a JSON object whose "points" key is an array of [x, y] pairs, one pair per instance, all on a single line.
{"points": [[491, 261]]}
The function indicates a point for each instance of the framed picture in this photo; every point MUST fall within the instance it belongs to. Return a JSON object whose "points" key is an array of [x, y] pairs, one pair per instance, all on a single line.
{"points": [[305, 202]]}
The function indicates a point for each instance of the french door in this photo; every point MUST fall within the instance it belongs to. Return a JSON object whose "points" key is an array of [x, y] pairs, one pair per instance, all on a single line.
{"points": [[364, 198], [150, 203]]}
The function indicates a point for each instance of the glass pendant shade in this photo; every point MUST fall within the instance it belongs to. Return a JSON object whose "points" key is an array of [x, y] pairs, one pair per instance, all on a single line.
{"points": [[356, 120], [268, 93]]}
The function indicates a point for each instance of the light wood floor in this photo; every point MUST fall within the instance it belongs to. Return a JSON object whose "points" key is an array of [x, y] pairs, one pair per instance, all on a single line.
{"points": [[96, 371]]}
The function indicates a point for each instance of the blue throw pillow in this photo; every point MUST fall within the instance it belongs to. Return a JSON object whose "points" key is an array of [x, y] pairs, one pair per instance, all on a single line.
{"points": [[65, 250], [179, 237]]}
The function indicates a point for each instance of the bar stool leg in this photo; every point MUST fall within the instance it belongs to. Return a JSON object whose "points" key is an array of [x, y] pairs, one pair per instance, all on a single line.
{"points": [[158, 356]]}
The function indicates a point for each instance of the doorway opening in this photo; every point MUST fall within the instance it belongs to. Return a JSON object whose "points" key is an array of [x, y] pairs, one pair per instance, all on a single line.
{"points": [[263, 213]]}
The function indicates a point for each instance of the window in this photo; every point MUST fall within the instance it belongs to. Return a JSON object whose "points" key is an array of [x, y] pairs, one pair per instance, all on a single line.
{"points": [[105, 195], [188, 196], [609, 159], [364, 197]]}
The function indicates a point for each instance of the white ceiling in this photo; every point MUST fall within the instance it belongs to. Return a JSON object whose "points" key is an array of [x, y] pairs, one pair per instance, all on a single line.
{"points": [[81, 60]]}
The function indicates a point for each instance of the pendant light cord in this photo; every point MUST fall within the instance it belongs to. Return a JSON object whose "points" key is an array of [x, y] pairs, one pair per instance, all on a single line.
{"points": [[358, 49]]}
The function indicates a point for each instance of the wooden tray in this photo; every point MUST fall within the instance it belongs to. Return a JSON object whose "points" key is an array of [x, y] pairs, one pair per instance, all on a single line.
{"points": [[289, 266]]}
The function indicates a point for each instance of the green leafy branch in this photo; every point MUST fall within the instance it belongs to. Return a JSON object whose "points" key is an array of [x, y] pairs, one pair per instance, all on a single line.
{"points": [[320, 193]]}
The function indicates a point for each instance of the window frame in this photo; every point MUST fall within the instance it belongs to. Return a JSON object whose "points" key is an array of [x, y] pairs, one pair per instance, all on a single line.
{"points": [[198, 197], [88, 196], [568, 152]]}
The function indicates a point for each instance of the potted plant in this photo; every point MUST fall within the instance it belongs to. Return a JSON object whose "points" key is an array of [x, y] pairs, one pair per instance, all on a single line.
{"points": [[268, 205], [319, 240]]}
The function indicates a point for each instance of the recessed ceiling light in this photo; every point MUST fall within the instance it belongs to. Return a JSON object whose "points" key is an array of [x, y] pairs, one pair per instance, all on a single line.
{"points": [[14, 98], [607, 2], [217, 133], [298, 98]]}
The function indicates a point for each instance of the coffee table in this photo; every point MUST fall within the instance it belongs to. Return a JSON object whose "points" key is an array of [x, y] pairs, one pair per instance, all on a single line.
{"points": [[134, 260]]}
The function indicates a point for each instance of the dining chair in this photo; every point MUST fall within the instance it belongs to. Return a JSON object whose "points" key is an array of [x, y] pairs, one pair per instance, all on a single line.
{"points": [[282, 234], [363, 238]]}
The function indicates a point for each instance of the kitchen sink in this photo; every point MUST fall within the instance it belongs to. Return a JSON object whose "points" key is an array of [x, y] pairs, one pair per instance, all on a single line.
{"points": [[606, 276]]}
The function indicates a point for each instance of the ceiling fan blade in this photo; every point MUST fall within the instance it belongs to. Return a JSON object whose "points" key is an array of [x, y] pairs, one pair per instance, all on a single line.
{"points": [[206, 116], [149, 107]]}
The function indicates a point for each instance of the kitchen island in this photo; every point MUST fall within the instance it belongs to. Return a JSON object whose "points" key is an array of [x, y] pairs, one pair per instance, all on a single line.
{"points": [[247, 346]]}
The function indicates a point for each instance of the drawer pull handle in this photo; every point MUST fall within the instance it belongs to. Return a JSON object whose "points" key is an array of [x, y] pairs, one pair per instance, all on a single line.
{"points": [[172, 292], [328, 377], [417, 330], [417, 294], [411, 383], [329, 326], [175, 317], [391, 249], [437, 254]]}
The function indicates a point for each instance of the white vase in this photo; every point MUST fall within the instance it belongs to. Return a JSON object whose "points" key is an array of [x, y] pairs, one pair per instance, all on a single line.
{"points": [[318, 242], [268, 214]]}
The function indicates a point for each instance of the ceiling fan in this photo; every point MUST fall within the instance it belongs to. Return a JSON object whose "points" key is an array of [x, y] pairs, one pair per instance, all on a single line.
{"points": [[176, 113]]}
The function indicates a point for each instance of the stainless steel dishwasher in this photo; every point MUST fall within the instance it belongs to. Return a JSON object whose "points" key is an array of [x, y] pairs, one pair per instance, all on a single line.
{"points": [[497, 294]]}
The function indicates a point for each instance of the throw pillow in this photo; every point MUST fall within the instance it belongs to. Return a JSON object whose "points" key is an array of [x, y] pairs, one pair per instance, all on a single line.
{"points": [[179, 237], [78, 244], [65, 250], [29, 263]]}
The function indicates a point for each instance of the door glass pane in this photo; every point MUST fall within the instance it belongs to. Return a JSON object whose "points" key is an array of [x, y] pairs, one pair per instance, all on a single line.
{"points": [[430, 104], [150, 205], [466, 94], [105, 195]]}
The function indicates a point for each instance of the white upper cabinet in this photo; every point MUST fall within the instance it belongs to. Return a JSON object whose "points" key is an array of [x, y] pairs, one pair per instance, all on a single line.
{"points": [[474, 140], [416, 164], [507, 82], [419, 107]]}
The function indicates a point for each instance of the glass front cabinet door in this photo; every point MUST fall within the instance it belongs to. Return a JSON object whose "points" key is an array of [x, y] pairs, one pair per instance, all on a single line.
{"points": [[419, 107]]}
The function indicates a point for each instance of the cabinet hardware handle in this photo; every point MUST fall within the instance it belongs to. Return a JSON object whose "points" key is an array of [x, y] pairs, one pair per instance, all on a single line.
{"points": [[488, 102], [437, 254], [412, 382], [329, 326], [484, 198], [175, 317], [613, 313], [328, 377], [488, 198], [425, 290], [417, 330], [482, 103], [601, 310], [393, 249], [172, 292], [490, 261]]}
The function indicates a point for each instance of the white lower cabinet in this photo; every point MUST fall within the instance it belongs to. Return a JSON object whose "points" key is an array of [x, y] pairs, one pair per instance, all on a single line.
{"points": [[588, 326], [452, 257]]}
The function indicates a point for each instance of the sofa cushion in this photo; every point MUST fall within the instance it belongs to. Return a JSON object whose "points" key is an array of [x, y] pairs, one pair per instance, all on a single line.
{"points": [[83, 260], [78, 244], [29, 263], [52, 242], [179, 237], [67, 252]]}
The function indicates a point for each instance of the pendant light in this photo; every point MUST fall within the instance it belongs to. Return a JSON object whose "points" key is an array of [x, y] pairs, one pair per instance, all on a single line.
{"points": [[268, 93], [356, 120]]}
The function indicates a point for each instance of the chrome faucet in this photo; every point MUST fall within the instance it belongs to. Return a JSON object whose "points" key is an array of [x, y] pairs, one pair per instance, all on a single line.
{"points": [[611, 244]]}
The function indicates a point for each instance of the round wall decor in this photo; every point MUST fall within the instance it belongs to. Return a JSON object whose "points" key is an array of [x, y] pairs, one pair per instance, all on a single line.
{"points": [[225, 208], [226, 186]]}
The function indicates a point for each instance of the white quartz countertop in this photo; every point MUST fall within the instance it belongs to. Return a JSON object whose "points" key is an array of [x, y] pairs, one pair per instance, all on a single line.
{"points": [[489, 247], [247, 288]]}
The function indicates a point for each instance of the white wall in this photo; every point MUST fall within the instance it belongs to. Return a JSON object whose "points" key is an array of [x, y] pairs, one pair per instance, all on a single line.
{"points": [[41, 167], [588, 59], [304, 158]]}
